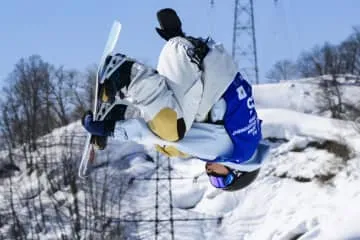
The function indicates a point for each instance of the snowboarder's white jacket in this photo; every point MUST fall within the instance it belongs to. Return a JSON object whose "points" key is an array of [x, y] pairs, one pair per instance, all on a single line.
{"points": [[197, 91], [180, 93]]}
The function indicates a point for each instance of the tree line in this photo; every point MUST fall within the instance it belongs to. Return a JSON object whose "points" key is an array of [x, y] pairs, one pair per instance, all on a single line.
{"points": [[336, 66], [325, 59], [39, 97]]}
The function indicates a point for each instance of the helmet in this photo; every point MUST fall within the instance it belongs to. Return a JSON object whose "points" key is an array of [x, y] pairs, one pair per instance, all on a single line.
{"points": [[242, 181], [234, 180]]}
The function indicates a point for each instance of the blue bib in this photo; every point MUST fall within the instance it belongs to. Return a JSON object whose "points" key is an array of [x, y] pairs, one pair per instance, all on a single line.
{"points": [[241, 121]]}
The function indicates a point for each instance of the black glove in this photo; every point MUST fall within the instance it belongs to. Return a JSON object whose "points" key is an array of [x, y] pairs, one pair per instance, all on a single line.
{"points": [[170, 24]]}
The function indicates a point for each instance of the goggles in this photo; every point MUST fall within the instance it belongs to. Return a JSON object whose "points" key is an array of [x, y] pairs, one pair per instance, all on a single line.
{"points": [[224, 181]]}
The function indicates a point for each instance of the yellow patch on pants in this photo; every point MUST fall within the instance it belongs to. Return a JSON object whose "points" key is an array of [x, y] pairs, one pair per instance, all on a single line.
{"points": [[164, 124], [171, 151]]}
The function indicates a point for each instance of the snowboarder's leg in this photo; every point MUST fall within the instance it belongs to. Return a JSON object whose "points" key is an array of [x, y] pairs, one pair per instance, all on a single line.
{"points": [[127, 79], [205, 141]]}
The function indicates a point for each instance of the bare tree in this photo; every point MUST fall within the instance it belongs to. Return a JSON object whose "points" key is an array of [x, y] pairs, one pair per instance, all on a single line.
{"points": [[60, 93], [39, 98], [29, 84], [283, 70], [356, 39], [309, 63], [332, 59], [349, 53], [70, 93], [84, 96], [329, 97]]}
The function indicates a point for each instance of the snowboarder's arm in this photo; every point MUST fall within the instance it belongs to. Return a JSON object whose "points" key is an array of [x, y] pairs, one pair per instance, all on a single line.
{"points": [[160, 108], [129, 81], [183, 76]]}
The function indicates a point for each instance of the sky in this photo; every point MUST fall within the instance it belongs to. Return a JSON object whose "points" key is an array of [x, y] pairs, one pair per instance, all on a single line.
{"points": [[73, 33]]}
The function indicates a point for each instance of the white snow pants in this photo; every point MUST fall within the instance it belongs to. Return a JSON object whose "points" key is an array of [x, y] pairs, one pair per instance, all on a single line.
{"points": [[205, 141]]}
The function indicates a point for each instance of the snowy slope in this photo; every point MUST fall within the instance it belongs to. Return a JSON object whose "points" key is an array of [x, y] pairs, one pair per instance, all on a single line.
{"points": [[309, 187], [289, 199], [303, 95]]}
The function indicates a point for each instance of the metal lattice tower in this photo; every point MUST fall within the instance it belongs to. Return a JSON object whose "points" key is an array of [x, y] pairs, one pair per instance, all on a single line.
{"points": [[244, 40], [159, 219]]}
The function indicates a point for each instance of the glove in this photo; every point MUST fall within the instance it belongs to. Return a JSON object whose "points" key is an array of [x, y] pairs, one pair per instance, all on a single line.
{"points": [[170, 24], [97, 128]]}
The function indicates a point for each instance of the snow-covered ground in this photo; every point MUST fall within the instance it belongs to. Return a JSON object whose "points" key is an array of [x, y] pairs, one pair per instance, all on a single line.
{"points": [[303, 95], [309, 188]]}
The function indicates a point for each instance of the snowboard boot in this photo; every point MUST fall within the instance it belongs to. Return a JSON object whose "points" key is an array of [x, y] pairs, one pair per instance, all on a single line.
{"points": [[115, 75], [99, 142]]}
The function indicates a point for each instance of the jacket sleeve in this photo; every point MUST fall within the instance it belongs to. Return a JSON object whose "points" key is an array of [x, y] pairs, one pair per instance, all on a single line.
{"points": [[183, 76], [160, 108]]}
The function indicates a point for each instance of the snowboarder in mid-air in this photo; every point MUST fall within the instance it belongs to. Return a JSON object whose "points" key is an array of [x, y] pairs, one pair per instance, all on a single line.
{"points": [[195, 104]]}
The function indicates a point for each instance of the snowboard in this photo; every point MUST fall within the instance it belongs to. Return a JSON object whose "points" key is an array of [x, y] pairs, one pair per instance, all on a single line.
{"points": [[88, 154]]}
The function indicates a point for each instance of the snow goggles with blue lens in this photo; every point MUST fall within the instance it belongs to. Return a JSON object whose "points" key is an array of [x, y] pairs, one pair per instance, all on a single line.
{"points": [[220, 181], [224, 181]]}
